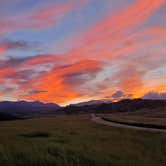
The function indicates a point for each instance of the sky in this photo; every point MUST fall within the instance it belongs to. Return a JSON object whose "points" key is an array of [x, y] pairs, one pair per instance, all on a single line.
{"points": [[69, 51]]}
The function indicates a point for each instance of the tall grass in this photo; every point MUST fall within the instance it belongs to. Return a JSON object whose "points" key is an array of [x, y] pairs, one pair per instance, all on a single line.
{"points": [[76, 141]]}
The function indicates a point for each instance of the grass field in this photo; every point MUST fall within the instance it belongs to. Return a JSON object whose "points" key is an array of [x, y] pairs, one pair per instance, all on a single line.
{"points": [[154, 116], [73, 140]]}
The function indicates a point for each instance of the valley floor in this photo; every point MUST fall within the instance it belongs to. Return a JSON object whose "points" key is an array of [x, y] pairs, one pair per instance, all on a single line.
{"points": [[74, 140]]}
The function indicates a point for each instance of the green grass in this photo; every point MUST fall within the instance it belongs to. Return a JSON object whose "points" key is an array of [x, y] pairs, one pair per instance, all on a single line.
{"points": [[76, 141], [154, 116]]}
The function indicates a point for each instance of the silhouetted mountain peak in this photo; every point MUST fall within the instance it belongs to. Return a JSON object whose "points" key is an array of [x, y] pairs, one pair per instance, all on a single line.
{"points": [[92, 102], [28, 109]]}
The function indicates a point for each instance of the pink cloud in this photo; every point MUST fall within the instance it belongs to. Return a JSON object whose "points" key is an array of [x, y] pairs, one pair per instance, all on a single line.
{"points": [[42, 18]]}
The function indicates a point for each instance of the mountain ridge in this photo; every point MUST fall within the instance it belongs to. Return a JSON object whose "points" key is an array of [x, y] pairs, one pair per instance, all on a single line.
{"points": [[119, 106], [26, 109], [91, 102]]}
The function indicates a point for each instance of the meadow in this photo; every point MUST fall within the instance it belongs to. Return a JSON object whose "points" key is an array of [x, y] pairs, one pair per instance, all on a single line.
{"points": [[74, 140], [155, 116]]}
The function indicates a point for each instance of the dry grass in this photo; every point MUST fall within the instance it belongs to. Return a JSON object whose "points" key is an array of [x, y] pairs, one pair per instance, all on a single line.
{"points": [[76, 141], [156, 117]]}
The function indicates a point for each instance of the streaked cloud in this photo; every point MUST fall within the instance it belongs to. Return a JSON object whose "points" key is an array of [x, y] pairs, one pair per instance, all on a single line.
{"points": [[42, 18], [112, 58]]}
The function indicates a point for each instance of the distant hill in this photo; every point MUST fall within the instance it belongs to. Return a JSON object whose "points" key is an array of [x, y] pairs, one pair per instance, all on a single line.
{"points": [[23, 109], [121, 106], [92, 102], [28, 109]]}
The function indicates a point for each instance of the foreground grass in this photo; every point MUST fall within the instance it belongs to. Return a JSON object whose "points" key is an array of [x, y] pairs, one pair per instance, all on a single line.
{"points": [[76, 141]]}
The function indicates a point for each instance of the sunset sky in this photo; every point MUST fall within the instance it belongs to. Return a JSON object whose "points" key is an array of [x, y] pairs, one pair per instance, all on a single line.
{"points": [[68, 51]]}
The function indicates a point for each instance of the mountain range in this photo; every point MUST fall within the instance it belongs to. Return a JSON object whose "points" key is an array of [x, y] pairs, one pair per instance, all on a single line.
{"points": [[126, 105], [23, 109], [92, 102]]}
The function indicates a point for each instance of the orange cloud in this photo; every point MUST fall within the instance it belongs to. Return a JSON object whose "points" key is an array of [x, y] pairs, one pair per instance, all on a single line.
{"points": [[42, 59], [55, 84], [4, 73], [108, 41]]}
